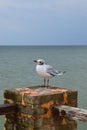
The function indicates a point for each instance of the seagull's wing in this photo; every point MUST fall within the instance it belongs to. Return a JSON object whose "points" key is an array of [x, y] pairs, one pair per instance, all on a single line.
{"points": [[53, 71]]}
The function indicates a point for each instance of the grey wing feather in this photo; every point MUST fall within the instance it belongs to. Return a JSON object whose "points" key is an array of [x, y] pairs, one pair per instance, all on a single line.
{"points": [[54, 72]]}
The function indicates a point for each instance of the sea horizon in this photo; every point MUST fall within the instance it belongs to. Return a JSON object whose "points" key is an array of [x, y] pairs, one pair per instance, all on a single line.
{"points": [[71, 45]]}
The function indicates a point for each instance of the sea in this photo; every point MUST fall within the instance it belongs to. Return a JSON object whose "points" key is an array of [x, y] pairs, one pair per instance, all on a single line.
{"points": [[17, 69]]}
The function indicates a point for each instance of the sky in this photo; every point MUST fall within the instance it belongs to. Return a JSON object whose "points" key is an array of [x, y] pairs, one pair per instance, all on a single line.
{"points": [[43, 22]]}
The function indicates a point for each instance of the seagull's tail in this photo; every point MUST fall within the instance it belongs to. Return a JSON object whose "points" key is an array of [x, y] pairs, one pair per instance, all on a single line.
{"points": [[61, 73]]}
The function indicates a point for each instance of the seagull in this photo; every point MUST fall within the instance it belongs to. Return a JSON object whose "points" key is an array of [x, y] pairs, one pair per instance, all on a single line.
{"points": [[46, 71]]}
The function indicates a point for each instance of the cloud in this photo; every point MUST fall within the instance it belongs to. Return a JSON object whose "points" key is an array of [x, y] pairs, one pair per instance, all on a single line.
{"points": [[47, 20]]}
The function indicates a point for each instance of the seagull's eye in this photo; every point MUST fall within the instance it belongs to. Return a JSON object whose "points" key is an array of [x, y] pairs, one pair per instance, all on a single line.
{"points": [[40, 62]]}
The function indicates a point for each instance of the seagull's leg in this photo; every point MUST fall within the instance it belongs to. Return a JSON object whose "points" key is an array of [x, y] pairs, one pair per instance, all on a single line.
{"points": [[44, 82], [47, 82]]}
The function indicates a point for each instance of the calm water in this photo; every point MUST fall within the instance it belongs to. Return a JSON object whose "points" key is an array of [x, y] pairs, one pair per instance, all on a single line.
{"points": [[18, 70]]}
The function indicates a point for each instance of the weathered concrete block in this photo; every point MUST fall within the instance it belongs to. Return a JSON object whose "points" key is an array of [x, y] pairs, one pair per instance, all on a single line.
{"points": [[34, 104]]}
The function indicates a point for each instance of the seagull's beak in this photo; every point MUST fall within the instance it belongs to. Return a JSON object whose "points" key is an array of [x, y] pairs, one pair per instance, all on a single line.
{"points": [[35, 61]]}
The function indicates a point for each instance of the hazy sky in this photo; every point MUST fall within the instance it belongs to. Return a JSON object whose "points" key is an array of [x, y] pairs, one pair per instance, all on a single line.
{"points": [[37, 22]]}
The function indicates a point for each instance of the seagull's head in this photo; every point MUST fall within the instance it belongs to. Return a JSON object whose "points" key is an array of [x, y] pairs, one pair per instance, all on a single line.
{"points": [[39, 61]]}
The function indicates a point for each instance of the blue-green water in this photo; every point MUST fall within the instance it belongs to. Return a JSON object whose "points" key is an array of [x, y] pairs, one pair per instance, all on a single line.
{"points": [[18, 70]]}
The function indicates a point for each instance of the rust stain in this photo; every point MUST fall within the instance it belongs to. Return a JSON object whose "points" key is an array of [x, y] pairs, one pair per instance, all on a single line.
{"points": [[22, 95], [27, 91], [65, 101], [47, 105]]}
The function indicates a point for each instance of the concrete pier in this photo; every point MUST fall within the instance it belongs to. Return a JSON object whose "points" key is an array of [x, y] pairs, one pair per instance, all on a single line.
{"points": [[34, 108]]}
